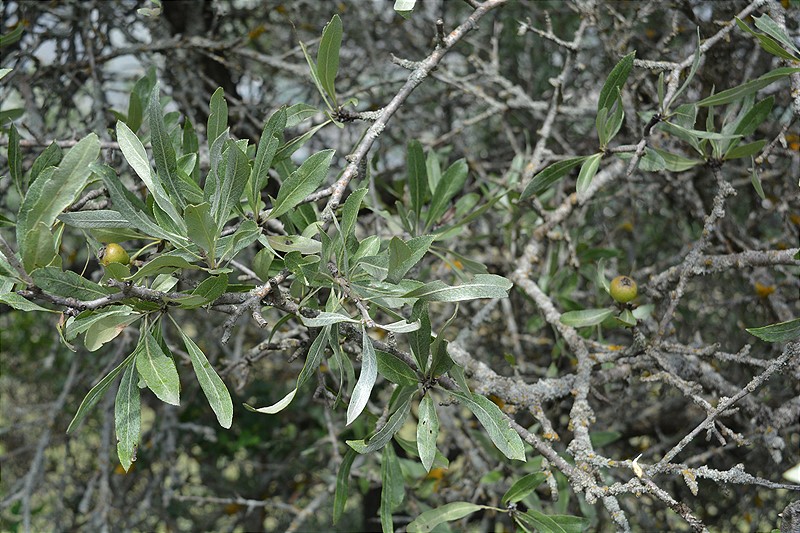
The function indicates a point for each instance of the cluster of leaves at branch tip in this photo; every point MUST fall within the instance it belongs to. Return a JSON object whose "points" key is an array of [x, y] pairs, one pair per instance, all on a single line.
{"points": [[712, 147]]}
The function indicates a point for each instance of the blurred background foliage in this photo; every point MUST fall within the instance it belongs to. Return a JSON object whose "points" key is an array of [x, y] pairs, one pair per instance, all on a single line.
{"points": [[77, 61]]}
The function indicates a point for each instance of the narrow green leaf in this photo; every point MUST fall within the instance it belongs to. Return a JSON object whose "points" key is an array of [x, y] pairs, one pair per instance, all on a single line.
{"points": [[481, 286], [385, 434], [325, 318], [51, 157], [457, 373], [420, 340], [8, 115], [312, 66], [427, 431], [399, 252], [15, 158], [370, 246], [217, 116], [401, 326], [207, 291], [614, 121], [770, 27], [53, 280], [366, 380], [228, 247], [585, 317], [652, 161], [350, 211], [297, 113], [392, 488], [750, 87], [404, 7], [395, 370], [261, 263], [191, 146], [767, 43], [754, 117], [213, 387], [143, 89], [12, 36], [446, 513], [107, 328], [603, 438], [451, 183], [495, 423], [553, 523], [19, 303], [231, 186], [163, 151], [780, 332], [544, 179], [522, 487], [37, 247], [127, 417], [328, 56], [287, 149], [47, 198], [617, 78], [675, 162], [342, 484], [216, 166], [600, 126], [267, 148], [130, 208], [313, 359], [294, 243], [201, 228], [277, 407], [101, 218], [163, 264], [403, 256], [417, 177], [441, 361], [87, 318], [745, 150], [302, 182], [692, 71], [135, 114], [136, 156], [685, 115], [700, 134], [166, 222], [434, 170], [158, 370], [588, 170], [755, 180], [97, 392], [626, 318], [643, 311]]}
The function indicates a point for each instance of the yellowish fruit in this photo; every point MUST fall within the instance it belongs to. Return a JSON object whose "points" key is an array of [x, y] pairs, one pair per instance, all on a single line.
{"points": [[114, 253], [623, 289]]}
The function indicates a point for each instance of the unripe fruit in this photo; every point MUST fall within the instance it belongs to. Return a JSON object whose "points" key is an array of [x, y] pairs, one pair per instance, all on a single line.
{"points": [[623, 289], [114, 253]]}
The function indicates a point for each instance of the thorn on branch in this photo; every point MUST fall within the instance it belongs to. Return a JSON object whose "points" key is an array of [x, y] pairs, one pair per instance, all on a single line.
{"points": [[440, 34], [655, 119], [405, 63]]}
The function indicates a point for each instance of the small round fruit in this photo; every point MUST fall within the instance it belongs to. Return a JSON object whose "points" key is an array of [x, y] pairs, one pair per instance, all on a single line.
{"points": [[623, 289], [114, 253]]}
